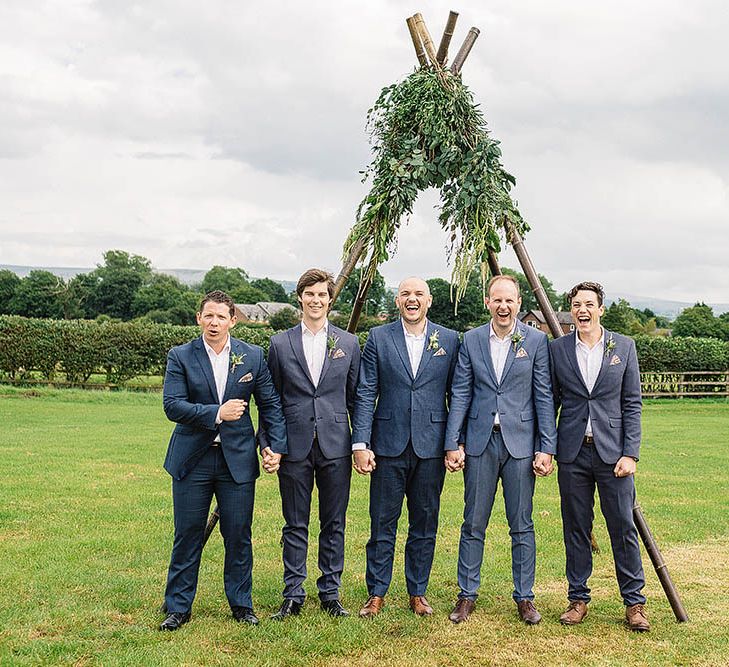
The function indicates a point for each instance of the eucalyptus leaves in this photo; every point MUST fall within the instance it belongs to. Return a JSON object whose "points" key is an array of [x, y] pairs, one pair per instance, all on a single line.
{"points": [[427, 131]]}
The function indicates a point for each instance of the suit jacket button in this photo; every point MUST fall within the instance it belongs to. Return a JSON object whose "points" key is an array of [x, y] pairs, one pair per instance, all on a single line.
{"points": [[311, 419]]}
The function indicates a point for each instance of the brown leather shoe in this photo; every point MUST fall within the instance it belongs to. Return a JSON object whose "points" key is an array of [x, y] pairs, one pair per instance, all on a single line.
{"points": [[372, 607], [636, 618], [462, 610], [575, 613], [528, 612], [420, 606]]}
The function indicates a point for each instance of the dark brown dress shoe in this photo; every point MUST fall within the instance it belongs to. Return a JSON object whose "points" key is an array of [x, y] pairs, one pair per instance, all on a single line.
{"points": [[636, 618], [528, 612], [575, 613], [462, 610], [245, 615], [334, 608], [420, 606], [288, 608], [372, 607], [174, 620]]}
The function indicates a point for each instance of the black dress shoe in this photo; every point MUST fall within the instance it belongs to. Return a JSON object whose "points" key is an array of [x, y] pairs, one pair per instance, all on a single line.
{"points": [[287, 608], [334, 608], [245, 615], [174, 620]]}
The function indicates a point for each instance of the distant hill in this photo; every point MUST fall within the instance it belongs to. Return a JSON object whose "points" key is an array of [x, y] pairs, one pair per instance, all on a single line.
{"points": [[663, 307]]}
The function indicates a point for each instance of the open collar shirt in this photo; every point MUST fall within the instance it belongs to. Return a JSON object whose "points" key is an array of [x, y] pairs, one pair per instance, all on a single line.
{"points": [[499, 348], [415, 345], [220, 363], [589, 359], [315, 349]]}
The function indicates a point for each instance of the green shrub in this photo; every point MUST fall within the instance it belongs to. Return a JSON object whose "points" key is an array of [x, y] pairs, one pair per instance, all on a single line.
{"points": [[656, 353]]}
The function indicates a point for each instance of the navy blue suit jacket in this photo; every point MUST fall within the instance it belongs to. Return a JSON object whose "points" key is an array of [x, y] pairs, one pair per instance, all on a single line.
{"points": [[327, 406], [523, 397], [191, 399], [393, 407], [614, 405]]}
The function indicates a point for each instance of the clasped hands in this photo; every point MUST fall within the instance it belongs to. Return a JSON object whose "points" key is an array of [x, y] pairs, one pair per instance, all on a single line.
{"points": [[363, 461], [455, 460]]}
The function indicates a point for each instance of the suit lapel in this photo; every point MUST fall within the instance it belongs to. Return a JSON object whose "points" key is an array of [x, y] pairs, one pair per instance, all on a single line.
{"points": [[235, 348], [398, 337], [483, 340], [511, 353], [331, 331], [297, 346], [427, 353], [202, 358], [605, 361], [571, 352]]}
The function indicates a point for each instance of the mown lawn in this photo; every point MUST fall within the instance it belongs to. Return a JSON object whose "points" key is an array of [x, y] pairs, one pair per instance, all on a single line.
{"points": [[86, 527]]}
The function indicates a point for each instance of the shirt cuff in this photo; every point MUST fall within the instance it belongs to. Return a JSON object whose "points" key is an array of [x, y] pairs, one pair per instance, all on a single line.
{"points": [[218, 420], [358, 446]]}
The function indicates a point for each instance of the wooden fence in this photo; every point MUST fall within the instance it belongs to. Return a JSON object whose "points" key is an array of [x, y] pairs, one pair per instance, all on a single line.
{"points": [[685, 384]]}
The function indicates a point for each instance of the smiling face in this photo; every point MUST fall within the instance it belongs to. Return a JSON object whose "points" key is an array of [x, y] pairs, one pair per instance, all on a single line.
{"points": [[503, 303], [586, 313], [413, 300], [215, 322], [315, 300]]}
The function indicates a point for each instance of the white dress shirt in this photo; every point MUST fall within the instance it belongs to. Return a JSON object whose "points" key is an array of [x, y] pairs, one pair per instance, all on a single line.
{"points": [[220, 363], [315, 350], [589, 359], [499, 348], [415, 345]]}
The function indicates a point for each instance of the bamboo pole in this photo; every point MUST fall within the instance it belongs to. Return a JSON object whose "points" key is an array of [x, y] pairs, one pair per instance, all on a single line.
{"points": [[359, 301], [493, 262], [465, 49], [426, 39], [445, 41], [417, 42]]}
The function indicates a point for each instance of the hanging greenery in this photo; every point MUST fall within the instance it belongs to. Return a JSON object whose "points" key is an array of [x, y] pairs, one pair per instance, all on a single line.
{"points": [[426, 131]]}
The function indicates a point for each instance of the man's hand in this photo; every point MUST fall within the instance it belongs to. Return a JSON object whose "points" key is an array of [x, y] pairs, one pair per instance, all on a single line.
{"points": [[625, 466], [232, 409], [271, 460], [455, 460], [542, 464], [363, 461]]}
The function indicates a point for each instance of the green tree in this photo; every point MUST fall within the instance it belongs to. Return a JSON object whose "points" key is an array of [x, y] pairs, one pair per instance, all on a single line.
{"points": [[9, 283], [273, 290], [170, 300], [38, 295], [620, 317], [118, 280], [377, 295], [79, 298], [224, 278], [698, 321], [284, 319], [248, 294], [471, 308]]}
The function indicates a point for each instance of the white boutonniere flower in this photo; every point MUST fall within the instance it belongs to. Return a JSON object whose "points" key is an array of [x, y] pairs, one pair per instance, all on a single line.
{"points": [[236, 360], [517, 339], [433, 343], [609, 346]]}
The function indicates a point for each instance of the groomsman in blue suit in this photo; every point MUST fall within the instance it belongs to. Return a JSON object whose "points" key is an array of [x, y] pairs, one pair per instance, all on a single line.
{"points": [[500, 426], [597, 384], [314, 366], [399, 424], [212, 451]]}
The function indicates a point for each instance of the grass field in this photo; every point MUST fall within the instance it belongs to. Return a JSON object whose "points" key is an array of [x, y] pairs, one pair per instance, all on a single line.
{"points": [[86, 528]]}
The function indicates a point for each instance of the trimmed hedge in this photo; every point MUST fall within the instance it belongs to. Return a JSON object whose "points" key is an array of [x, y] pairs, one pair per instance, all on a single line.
{"points": [[658, 354], [78, 348]]}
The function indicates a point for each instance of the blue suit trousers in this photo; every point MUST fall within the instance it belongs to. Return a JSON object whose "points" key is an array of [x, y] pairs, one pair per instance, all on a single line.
{"points": [[481, 476], [191, 498]]}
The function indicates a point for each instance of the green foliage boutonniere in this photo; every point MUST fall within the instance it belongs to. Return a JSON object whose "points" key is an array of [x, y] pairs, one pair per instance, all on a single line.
{"points": [[332, 342], [609, 346], [236, 360], [433, 343], [516, 339]]}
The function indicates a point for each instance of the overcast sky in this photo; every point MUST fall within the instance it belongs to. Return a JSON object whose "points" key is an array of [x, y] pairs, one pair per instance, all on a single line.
{"points": [[201, 133]]}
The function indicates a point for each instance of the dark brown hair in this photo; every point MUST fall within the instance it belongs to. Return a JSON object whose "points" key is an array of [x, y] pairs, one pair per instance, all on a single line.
{"points": [[589, 287], [314, 276], [218, 296]]}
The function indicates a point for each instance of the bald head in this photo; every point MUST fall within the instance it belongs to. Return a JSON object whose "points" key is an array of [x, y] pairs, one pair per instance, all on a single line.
{"points": [[413, 300]]}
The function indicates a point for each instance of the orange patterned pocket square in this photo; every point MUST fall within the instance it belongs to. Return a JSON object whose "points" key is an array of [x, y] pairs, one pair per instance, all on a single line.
{"points": [[339, 353], [440, 352], [521, 353], [615, 360], [246, 378]]}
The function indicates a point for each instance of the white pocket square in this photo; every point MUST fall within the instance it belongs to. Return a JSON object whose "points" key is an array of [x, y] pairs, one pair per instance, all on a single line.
{"points": [[440, 352], [339, 353], [246, 378], [615, 360], [521, 353]]}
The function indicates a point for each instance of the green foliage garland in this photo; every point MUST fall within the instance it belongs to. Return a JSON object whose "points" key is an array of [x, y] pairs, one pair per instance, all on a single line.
{"points": [[427, 131]]}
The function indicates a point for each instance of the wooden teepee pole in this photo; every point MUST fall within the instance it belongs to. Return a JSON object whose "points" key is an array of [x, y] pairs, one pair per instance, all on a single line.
{"points": [[465, 49], [417, 42], [445, 41], [361, 297], [349, 263], [426, 39]]}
